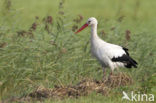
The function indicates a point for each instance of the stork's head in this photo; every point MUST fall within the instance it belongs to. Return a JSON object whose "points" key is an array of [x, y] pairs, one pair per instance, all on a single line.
{"points": [[90, 22]]}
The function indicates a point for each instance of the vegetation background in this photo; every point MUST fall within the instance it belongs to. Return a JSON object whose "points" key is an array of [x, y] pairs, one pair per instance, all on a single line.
{"points": [[38, 46]]}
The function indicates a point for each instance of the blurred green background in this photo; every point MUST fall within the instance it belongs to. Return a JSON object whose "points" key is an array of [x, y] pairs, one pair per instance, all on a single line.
{"points": [[27, 10]]}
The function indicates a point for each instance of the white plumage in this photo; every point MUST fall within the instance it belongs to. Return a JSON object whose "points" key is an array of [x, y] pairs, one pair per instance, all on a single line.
{"points": [[104, 52], [109, 55]]}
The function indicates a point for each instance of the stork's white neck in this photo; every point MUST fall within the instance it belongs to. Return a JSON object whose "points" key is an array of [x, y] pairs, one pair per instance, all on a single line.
{"points": [[94, 31]]}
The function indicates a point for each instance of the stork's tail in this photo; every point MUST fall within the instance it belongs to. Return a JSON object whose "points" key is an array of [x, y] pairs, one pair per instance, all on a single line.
{"points": [[131, 63]]}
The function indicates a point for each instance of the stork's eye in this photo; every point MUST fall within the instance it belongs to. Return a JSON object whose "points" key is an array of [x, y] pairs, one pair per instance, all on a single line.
{"points": [[89, 22]]}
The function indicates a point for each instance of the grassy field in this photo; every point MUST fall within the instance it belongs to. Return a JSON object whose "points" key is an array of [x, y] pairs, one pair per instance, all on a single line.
{"points": [[39, 48]]}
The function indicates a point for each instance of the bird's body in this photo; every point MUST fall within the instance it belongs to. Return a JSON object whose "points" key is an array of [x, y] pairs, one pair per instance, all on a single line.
{"points": [[104, 52], [109, 55]]}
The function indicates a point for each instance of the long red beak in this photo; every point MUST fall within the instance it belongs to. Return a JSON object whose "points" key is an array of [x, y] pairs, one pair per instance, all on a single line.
{"points": [[83, 27]]}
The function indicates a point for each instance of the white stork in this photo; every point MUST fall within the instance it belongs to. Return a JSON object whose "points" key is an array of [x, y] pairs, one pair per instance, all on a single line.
{"points": [[109, 55]]}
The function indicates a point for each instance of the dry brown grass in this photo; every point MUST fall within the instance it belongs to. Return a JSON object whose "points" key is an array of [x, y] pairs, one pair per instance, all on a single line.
{"points": [[83, 88]]}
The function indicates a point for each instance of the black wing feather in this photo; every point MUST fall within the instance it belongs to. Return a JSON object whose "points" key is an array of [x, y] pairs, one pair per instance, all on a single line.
{"points": [[126, 59], [126, 50]]}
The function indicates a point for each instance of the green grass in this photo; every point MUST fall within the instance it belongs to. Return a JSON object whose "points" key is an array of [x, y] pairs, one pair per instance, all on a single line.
{"points": [[27, 62]]}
